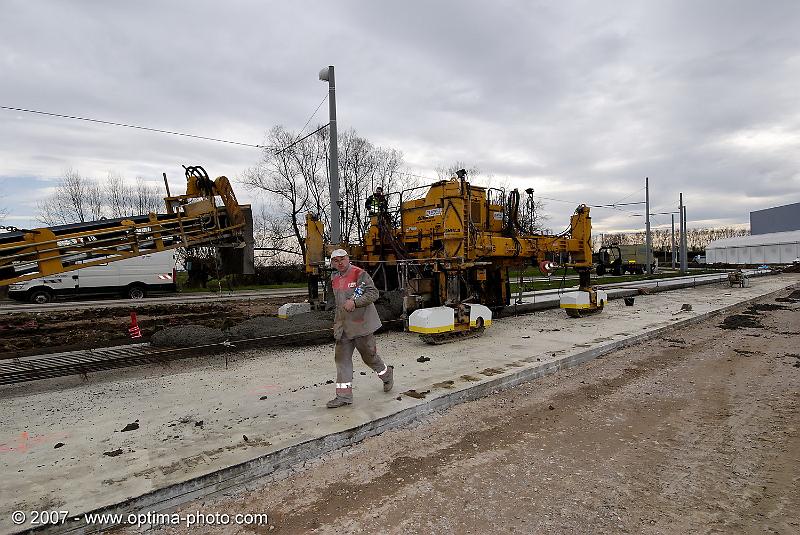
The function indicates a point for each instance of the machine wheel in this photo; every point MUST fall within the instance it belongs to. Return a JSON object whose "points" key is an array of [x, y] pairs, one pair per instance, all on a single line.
{"points": [[136, 292], [573, 312], [40, 297], [601, 270]]}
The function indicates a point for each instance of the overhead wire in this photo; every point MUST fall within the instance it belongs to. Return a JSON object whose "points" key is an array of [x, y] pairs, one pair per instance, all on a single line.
{"points": [[296, 141], [137, 127], [312, 116], [176, 133], [630, 194], [612, 206]]}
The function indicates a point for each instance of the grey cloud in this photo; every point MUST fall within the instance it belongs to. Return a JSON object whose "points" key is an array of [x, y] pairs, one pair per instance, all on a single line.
{"points": [[593, 96]]}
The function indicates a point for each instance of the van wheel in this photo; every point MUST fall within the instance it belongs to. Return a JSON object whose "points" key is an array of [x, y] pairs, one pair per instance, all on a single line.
{"points": [[40, 297], [136, 291]]}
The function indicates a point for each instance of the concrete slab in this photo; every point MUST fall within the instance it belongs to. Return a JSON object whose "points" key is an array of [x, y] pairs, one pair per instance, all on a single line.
{"points": [[293, 309], [203, 425]]}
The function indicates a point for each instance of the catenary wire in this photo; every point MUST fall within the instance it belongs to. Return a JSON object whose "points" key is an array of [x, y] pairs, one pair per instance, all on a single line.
{"points": [[137, 127]]}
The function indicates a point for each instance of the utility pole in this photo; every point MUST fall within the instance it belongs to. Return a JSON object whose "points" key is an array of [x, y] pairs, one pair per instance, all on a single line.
{"points": [[682, 222], [685, 238], [672, 248], [326, 75], [648, 240]]}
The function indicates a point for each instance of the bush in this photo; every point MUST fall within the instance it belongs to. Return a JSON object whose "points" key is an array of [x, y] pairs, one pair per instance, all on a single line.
{"points": [[266, 275]]}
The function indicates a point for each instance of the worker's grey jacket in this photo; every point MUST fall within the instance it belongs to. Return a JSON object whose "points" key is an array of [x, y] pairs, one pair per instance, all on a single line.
{"points": [[357, 284]]}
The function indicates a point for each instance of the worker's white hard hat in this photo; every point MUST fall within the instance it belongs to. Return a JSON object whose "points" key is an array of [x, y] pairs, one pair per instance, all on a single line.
{"points": [[338, 252]]}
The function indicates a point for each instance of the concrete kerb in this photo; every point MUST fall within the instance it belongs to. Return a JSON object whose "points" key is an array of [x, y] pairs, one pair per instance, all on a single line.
{"points": [[282, 461], [550, 300]]}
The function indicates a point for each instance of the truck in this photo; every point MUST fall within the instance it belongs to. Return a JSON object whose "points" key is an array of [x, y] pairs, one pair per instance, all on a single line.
{"points": [[134, 278], [620, 259]]}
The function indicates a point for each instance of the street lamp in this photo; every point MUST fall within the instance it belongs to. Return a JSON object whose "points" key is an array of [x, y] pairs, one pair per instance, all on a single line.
{"points": [[326, 75]]}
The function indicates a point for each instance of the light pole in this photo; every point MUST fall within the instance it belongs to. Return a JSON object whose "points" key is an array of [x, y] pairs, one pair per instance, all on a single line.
{"points": [[685, 241], [672, 249], [648, 239], [682, 221], [326, 75]]}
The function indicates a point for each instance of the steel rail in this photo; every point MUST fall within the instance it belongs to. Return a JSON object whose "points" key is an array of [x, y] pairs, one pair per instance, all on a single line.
{"points": [[34, 368]]}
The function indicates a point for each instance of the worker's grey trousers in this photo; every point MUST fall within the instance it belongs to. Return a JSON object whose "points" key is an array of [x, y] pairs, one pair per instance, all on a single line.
{"points": [[344, 356]]}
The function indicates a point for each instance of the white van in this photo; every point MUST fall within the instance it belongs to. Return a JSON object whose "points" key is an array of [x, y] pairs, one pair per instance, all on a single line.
{"points": [[133, 277]]}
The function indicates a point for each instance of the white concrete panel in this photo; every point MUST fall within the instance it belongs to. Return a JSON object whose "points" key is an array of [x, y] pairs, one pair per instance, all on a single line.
{"points": [[789, 251], [772, 254], [742, 255], [756, 254]]}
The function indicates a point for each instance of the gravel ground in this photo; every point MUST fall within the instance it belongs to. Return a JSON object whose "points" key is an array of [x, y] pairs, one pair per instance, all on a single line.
{"points": [[693, 432], [32, 333]]}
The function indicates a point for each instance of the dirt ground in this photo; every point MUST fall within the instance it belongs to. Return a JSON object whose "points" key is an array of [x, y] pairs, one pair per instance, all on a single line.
{"points": [[39, 332], [28, 333], [693, 432]]}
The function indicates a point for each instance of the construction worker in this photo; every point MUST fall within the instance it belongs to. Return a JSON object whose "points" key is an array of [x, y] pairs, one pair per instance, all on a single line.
{"points": [[376, 203], [354, 325]]}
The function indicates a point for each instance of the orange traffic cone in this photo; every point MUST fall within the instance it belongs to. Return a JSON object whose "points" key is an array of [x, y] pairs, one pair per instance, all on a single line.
{"points": [[134, 328]]}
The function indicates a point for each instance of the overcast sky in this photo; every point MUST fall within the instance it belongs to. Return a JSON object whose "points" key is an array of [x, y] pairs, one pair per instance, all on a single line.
{"points": [[579, 100]]}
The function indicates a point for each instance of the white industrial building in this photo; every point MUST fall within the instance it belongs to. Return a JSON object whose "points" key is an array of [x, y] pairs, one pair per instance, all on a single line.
{"points": [[772, 248]]}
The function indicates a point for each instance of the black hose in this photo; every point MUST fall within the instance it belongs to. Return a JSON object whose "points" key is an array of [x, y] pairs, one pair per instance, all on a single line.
{"points": [[201, 178]]}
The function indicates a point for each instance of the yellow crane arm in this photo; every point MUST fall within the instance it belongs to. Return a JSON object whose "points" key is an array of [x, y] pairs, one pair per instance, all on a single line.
{"points": [[191, 220]]}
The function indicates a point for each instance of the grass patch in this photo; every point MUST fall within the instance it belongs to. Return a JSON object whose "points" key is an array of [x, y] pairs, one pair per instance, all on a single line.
{"points": [[214, 285]]}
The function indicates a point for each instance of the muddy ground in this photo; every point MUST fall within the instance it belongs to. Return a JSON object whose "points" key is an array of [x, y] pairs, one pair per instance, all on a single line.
{"points": [[39, 332], [694, 432], [167, 325]]}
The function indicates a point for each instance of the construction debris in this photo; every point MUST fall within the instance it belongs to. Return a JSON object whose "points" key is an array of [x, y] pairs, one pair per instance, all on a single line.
{"points": [[312, 327]]}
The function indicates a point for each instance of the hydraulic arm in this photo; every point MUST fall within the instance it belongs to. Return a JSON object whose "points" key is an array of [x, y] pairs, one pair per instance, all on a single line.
{"points": [[190, 220]]}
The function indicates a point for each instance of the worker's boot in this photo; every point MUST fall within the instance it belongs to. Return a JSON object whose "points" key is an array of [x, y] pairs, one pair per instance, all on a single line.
{"points": [[344, 396], [388, 378]]}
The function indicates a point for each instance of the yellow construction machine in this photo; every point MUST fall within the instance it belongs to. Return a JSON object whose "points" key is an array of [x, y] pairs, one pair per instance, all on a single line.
{"points": [[193, 219], [450, 252]]}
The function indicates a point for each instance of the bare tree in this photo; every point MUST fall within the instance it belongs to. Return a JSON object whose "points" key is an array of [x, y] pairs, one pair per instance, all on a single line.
{"points": [[279, 174], [94, 200], [147, 196], [449, 171], [274, 236], [75, 189], [68, 203], [119, 195], [296, 181], [357, 164], [79, 199], [532, 215], [697, 238]]}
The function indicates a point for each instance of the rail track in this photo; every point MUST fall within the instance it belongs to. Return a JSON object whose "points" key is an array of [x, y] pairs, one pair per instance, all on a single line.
{"points": [[37, 367], [34, 368]]}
